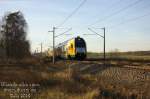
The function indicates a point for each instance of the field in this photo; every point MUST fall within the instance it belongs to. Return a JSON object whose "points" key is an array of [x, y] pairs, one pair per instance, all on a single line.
{"points": [[124, 76]]}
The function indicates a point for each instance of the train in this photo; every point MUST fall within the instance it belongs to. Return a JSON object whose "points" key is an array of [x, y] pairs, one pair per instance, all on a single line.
{"points": [[74, 48]]}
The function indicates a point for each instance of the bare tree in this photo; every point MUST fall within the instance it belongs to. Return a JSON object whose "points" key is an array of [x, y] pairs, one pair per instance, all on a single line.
{"points": [[14, 31]]}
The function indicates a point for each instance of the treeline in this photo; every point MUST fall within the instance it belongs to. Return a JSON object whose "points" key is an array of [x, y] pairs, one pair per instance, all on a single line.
{"points": [[13, 32]]}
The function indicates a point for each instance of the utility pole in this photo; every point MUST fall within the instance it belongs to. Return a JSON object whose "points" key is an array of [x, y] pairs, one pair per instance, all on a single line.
{"points": [[104, 47], [53, 44], [103, 36], [36, 50], [41, 49], [55, 36]]}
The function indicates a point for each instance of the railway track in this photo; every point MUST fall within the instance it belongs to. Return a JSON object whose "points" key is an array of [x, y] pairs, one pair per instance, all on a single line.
{"points": [[88, 63], [99, 64], [144, 68]]}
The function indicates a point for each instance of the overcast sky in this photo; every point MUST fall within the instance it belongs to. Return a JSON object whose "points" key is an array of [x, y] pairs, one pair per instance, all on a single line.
{"points": [[127, 22]]}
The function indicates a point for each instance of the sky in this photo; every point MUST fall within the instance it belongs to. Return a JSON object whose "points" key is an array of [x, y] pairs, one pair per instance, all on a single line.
{"points": [[126, 22]]}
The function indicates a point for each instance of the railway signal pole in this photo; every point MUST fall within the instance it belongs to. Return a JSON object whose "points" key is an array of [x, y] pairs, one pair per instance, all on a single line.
{"points": [[103, 36]]}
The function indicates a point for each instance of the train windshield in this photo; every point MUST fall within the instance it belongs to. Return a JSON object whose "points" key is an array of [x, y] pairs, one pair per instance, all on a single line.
{"points": [[79, 42]]}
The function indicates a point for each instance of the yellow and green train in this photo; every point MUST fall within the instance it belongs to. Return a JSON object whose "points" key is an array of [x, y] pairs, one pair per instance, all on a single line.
{"points": [[74, 48]]}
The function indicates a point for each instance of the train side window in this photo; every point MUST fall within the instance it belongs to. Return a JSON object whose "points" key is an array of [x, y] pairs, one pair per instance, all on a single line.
{"points": [[71, 45]]}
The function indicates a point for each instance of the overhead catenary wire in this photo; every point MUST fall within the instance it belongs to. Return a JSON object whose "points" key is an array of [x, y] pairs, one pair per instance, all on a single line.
{"points": [[64, 32], [72, 13], [109, 7], [116, 3], [117, 12], [143, 7], [130, 20]]}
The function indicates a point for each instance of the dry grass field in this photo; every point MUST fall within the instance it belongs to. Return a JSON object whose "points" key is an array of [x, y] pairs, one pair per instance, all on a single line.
{"points": [[76, 79]]}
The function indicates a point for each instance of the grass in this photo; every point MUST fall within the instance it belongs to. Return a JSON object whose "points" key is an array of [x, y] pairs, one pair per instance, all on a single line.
{"points": [[59, 82], [137, 56], [78, 86]]}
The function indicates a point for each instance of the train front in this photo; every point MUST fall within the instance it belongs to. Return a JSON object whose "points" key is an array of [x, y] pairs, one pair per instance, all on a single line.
{"points": [[80, 48]]}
